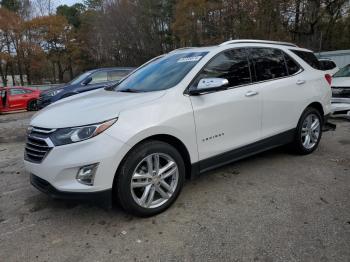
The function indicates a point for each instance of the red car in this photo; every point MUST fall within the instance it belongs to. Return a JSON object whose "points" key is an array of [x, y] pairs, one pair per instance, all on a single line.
{"points": [[18, 98]]}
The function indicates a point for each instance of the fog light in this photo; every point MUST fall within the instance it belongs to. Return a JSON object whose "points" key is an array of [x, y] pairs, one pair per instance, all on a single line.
{"points": [[86, 174]]}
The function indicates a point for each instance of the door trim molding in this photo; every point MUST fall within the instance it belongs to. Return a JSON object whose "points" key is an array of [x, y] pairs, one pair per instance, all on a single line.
{"points": [[214, 162]]}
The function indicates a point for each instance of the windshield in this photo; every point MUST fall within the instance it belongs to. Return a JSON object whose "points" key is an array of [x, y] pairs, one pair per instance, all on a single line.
{"points": [[162, 73], [344, 72], [79, 78]]}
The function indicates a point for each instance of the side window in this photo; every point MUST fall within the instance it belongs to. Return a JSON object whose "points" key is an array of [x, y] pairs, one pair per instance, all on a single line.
{"points": [[268, 63], [27, 91], [292, 66], [14, 91], [308, 57], [116, 75], [328, 65], [232, 65], [98, 77]]}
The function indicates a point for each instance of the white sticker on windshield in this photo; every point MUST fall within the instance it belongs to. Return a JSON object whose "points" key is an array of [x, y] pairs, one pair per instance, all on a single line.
{"points": [[189, 59]]}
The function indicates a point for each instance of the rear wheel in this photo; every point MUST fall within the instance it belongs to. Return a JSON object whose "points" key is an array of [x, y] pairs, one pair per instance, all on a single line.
{"points": [[150, 178], [32, 105], [309, 131]]}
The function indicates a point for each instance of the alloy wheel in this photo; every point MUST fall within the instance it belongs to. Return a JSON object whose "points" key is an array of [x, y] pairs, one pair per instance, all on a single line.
{"points": [[310, 131], [154, 180]]}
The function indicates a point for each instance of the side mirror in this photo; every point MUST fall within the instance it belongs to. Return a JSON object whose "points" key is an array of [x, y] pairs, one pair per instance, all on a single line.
{"points": [[87, 81], [206, 85]]}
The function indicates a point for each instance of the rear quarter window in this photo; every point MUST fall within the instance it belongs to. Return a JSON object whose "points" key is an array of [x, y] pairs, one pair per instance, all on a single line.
{"points": [[327, 65], [292, 66], [309, 58]]}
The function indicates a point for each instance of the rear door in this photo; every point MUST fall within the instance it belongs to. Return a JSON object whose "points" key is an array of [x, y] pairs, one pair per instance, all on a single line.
{"points": [[281, 87], [229, 119]]}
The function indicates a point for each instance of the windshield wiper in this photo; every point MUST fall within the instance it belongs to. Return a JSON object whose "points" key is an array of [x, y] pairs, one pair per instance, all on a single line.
{"points": [[129, 90]]}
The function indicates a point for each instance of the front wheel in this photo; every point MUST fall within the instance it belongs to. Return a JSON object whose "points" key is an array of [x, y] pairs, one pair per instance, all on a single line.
{"points": [[150, 178], [32, 105], [309, 131]]}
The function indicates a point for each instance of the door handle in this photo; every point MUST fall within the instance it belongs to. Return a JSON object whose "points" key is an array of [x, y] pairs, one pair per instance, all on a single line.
{"points": [[301, 82], [251, 93]]}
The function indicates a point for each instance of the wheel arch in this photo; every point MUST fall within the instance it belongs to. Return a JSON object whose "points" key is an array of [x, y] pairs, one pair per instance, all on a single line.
{"points": [[318, 106], [167, 138]]}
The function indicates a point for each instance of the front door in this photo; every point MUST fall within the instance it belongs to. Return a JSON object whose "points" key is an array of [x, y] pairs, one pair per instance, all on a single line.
{"points": [[229, 119], [17, 99]]}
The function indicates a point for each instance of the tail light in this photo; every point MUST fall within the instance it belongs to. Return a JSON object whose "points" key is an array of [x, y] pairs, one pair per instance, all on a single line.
{"points": [[328, 78]]}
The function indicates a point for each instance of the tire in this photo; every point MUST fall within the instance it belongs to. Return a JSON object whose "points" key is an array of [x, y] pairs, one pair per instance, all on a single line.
{"points": [[32, 105], [304, 130], [133, 181]]}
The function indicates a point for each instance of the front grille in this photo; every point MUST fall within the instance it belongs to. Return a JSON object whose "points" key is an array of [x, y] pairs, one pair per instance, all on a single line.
{"points": [[38, 144]]}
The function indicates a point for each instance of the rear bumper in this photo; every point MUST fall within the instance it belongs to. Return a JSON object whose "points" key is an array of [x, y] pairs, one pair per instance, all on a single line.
{"points": [[101, 197]]}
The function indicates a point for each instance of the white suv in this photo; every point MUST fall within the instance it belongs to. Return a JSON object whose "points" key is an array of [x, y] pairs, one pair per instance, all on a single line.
{"points": [[177, 116]]}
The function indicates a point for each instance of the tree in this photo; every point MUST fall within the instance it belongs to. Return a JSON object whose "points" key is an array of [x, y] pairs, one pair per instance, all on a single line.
{"points": [[71, 13], [12, 5]]}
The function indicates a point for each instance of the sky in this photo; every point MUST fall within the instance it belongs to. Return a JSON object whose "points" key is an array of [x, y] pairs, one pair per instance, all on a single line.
{"points": [[69, 2]]}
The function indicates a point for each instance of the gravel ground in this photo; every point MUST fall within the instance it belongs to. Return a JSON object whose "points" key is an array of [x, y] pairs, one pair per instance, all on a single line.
{"points": [[271, 207]]}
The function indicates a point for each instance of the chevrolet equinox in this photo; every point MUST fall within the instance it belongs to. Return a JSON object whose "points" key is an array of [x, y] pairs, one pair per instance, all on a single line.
{"points": [[177, 116]]}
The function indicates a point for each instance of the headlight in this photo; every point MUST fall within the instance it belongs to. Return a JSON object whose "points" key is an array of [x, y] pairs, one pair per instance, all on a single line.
{"points": [[70, 135], [54, 92]]}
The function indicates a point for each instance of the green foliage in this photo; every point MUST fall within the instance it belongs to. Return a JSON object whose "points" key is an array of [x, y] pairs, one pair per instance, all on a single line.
{"points": [[71, 13], [12, 5]]}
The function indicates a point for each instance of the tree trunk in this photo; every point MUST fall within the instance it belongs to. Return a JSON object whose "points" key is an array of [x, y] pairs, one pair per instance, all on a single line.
{"points": [[60, 71], [20, 70], [13, 75], [297, 18], [3, 76], [27, 71]]}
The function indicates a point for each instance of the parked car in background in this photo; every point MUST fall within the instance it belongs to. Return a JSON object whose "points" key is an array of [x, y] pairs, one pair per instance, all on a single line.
{"points": [[341, 91], [328, 66], [87, 81], [18, 98], [180, 115]]}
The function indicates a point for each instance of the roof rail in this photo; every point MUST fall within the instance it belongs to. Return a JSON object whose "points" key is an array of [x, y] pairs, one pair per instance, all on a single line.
{"points": [[181, 48], [251, 41]]}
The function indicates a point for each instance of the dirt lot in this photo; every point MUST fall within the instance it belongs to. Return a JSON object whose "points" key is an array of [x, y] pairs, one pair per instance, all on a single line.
{"points": [[271, 207]]}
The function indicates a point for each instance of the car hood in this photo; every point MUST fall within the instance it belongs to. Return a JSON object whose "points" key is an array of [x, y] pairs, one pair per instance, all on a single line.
{"points": [[89, 108], [341, 82], [54, 88]]}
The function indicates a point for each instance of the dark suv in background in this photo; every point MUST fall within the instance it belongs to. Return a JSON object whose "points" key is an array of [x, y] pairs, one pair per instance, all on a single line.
{"points": [[90, 80]]}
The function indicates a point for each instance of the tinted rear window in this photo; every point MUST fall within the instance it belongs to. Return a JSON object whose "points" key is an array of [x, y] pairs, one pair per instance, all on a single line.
{"points": [[308, 57], [292, 66]]}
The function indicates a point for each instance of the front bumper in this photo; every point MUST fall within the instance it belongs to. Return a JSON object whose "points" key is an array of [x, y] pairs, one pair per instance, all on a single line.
{"points": [[62, 163], [340, 105], [102, 197]]}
